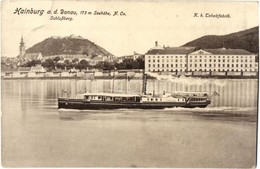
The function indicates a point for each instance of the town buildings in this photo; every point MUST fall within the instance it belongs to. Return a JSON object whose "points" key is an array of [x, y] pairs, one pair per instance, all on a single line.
{"points": [[190, 59]]}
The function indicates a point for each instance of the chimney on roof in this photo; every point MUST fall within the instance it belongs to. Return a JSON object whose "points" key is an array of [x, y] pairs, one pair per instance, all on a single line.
{"points": [[156, 43]]}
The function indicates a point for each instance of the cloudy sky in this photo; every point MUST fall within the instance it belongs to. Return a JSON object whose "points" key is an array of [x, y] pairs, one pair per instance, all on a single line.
{"points": [[170, 23]]}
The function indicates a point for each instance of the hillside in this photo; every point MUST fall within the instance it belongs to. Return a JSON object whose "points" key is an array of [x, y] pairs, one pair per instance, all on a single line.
{"points": [[247, 39], [68, 45]]}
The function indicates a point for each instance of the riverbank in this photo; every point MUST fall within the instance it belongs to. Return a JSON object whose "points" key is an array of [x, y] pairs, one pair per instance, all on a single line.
{"points": [[123, 77]]}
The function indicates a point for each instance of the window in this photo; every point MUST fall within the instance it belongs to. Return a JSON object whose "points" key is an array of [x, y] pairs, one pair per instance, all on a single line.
{"points": [[195, 65], [210, 60], [176, 65], [158, 65], [162, 65], [158, 60], [171, 65], [149, 65], [154, 60], [205, 65], [149, 60]]}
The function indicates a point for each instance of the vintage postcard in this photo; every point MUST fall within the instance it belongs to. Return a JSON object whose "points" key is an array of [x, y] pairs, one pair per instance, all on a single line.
{"points": [[129, 84]]}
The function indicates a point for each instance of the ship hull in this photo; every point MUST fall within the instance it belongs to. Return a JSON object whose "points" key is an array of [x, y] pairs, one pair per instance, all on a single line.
{"points": [[80, 104]]}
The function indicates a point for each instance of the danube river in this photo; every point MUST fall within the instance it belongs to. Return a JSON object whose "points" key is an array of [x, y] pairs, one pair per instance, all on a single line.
{"points": [[36, 134]]}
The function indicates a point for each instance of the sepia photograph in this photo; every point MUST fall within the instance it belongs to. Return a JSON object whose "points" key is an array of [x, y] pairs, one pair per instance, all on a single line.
{"points": [[132, 84]]}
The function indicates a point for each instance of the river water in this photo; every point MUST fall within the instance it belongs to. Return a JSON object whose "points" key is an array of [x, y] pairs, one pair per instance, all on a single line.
{"points": [[36, 134]]}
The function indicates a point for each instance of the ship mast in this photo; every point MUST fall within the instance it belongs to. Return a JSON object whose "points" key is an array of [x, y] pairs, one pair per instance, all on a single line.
{"points": [[144, 82]]}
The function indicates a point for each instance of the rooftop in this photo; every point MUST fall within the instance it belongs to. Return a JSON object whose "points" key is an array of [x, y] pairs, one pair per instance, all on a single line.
{"points": [[171, 50], [223, 51], [111, 94]]}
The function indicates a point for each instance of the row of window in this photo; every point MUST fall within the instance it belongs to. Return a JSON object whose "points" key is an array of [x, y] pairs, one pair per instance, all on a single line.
{"points": [[219, 65], [233, 70], [219, 60], [166, 65], [172, 70], [156, 99], [195, 56], [200, 65], [221, 56], [162, 56], [172, 60]]}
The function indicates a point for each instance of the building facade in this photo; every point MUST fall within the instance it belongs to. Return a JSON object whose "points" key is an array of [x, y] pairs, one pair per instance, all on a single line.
{"points": [[167, 59], [190, 59], [226, 60]]}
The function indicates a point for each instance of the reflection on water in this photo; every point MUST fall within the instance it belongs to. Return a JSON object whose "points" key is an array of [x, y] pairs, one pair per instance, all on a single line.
{"points": [[36, 134], [233, 92], [219, 114]]}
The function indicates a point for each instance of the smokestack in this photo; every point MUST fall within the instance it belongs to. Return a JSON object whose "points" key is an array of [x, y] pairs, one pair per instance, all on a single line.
{"points": [[156, 43]]}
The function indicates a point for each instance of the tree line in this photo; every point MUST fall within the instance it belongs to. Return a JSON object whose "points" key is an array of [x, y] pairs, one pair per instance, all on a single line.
{"points": [[53, 64]]}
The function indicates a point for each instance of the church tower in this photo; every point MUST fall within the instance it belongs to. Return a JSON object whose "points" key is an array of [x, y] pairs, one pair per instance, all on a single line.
{"points": [[22, 48]]}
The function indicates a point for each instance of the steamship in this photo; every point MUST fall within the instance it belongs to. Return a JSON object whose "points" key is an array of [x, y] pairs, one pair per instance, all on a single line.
{"points": [[94, 101]]}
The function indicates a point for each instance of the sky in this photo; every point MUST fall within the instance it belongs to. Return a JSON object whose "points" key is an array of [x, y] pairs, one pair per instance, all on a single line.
{"points": [[170, 23]]}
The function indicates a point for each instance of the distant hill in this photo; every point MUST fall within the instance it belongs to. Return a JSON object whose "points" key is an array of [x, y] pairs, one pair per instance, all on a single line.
{"points": [[247, 39], [67, 45]]}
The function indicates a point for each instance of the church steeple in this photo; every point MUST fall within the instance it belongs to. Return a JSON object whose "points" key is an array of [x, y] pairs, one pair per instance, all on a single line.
{"points": [[22, 48]]}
